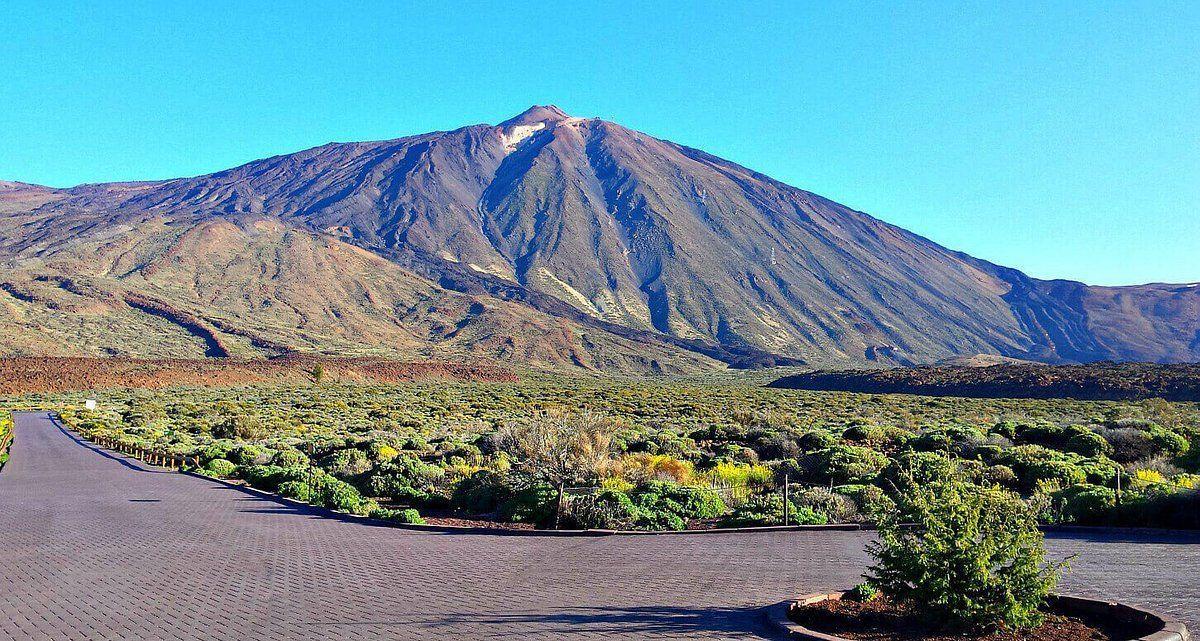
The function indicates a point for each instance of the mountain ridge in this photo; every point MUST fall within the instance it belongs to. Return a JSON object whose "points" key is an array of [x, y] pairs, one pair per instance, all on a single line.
{"points": [[637, 237]]}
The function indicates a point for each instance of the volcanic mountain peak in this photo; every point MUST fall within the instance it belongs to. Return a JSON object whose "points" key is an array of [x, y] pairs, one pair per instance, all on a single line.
{"points": [[536, 114], [537, 118]]}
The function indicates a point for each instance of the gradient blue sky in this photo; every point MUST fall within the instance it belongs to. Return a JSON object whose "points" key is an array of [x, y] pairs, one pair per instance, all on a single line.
{"points": [[1061, 139]]}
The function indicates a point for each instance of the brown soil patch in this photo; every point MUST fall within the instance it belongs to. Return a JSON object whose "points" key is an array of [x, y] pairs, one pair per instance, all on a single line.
{"points": [[23, 375], [885, 620], [476, 523]]}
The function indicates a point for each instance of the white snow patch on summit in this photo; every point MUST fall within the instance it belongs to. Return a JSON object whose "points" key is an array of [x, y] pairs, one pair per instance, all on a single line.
{"points": [[519, 133]]}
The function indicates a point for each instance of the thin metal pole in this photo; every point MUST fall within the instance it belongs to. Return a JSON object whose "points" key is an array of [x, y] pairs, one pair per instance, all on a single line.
{"points": [[786, 499]]}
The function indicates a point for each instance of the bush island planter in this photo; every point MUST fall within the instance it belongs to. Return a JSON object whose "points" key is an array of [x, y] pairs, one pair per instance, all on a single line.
{"points": [[1144, 625]]}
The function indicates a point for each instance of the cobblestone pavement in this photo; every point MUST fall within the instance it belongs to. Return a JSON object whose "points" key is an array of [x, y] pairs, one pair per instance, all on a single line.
{"points": [[96, 546]]}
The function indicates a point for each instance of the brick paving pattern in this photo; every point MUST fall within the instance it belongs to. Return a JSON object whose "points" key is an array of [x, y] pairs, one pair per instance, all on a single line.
{"points": [[97, 546]]}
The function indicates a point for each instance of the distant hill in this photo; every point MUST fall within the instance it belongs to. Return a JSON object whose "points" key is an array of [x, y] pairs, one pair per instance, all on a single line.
{"points": [[548, 240], [982, 360], [1095, 381]]}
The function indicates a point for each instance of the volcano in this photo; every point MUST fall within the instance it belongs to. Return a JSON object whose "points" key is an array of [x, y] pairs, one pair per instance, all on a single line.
{"points": [[547, 240]]}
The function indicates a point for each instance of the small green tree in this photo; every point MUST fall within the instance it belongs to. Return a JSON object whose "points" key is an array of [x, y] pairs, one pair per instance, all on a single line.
{"points": [[318, 373], [971, 557]]}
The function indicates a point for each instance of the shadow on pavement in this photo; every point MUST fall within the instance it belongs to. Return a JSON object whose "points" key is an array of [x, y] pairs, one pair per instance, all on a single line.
{"points": [[630, 621], [1123, 535], [102, 452]]}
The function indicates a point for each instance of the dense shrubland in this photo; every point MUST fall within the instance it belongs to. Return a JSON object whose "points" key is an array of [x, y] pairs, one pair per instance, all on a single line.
{"points": [[656, 455]]}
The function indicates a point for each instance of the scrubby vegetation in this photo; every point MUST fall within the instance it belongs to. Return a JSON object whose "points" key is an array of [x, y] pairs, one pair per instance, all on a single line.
{"points": [[657, 454]]}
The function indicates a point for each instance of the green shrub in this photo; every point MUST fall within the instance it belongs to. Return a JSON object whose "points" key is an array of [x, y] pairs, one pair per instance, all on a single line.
{"points": [[960, 439], [260, 476], [768, 510], [481, 493], [394, 487], [403, 478], [327, 491], [1170, 443], [290, 458], [250, 455], [846, 464], [337, 494], [1087, 504], [1006, 429], [656, 505], [1053, 473], [1070, 438], [1135, 441], [1037, 466], [920, 464], [973, 562], [864, 592], [346, 463], [220, 468], [534, 503], [655, 516], [834, 506], [701, 503], [217, 449], [1100, 470], [610, 510], [817, 440], [870, 501], [667, 506], [240, 426], [299, 490], [1086, 443], [1179, 509], [865, 433], [1002, 475], [409, 516], [270, 477]]}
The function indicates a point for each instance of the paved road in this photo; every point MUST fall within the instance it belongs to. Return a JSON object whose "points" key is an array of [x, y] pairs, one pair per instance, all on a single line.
{"points": [[95, 546]]}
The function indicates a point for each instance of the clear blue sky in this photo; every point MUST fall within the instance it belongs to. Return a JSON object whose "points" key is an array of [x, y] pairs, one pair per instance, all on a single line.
{"points": [[1063, 140]]}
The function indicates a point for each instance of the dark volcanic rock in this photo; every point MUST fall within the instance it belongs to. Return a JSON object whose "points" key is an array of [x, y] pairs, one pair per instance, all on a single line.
{"points": [[1105, 381]]}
